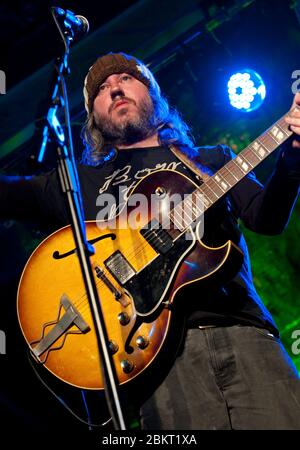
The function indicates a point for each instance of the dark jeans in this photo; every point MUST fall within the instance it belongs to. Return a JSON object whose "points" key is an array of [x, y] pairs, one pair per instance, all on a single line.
{"points": [[237, 377]]}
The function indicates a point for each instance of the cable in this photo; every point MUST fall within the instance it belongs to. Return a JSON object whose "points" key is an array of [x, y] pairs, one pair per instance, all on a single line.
{"points": [[68, 408]]}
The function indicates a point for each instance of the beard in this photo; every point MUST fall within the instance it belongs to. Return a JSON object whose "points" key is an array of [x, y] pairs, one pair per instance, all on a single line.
{"points": [[131, 129]]}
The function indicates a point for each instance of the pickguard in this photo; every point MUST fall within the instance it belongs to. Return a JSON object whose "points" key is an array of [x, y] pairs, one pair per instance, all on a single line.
{"points": [[150, 286]]}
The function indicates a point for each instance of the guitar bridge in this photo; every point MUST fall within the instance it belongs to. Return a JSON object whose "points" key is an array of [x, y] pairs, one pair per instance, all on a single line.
{"points": [[71, 317]]}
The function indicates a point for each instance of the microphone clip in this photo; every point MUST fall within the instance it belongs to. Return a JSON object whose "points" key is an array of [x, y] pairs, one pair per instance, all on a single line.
{"points": [[71, 25]]}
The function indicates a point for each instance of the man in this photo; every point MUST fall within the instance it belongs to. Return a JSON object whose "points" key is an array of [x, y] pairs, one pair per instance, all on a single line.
{"points": [[232, 371]]}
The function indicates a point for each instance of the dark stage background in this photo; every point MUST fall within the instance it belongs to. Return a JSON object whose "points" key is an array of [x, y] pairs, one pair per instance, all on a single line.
{"points": [[193, 47]]}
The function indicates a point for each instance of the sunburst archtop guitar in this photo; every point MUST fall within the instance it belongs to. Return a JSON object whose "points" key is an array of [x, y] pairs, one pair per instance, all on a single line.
{"points": [[138, 272]]}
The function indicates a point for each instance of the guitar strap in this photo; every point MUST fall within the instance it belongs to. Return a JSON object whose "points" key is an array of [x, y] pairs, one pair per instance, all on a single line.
{"points": [[182, 156]]}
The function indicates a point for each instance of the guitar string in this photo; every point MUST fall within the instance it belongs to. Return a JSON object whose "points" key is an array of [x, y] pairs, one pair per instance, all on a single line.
{"points": [[138, 250], [208, 184], [235, 169], [141, 248], [264, 138], [99, 283]]}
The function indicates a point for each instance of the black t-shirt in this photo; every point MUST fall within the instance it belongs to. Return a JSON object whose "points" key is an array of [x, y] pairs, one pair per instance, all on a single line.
{"points": [[117, 178], [236, 301]]}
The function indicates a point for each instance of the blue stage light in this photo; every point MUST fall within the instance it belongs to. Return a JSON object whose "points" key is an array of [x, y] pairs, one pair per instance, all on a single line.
{"points": [[246, 90]]}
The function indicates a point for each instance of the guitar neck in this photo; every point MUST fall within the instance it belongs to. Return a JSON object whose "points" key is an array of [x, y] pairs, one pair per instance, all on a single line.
{"points": [[191, 208]]}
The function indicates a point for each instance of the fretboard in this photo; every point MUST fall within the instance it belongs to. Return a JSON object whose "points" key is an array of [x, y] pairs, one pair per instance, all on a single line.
{"points": [[192, 207]]}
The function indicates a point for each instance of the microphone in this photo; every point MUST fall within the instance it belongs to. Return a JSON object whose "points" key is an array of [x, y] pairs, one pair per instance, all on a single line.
{"points": [[78, 25]]}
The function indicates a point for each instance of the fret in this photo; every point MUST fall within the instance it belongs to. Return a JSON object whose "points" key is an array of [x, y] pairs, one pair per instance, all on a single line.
{"points": [[186, 212], [280, 125], [246, 159], [197, 200], [175, 211], [258, 149], [242, 164], [230, 174], [240, 173], [200, 204], [263, 144], [221, 182], [207, 202], [188, 207], [276, 134], [216, 187], [196, 211], [255, 159], [205, 185], [179, 211], [177, 223], [268, 141], [284, 126]]}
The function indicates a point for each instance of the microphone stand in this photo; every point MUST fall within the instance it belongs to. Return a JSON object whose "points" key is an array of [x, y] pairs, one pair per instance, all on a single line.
{"points": [[68, 177]]}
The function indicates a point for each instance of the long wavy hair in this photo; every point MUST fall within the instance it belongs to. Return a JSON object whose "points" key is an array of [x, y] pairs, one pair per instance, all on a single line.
{"points": [[170, 126]]}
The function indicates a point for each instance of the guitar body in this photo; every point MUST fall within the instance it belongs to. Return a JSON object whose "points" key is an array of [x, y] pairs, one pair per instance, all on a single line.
{"points": [[137, 280]]}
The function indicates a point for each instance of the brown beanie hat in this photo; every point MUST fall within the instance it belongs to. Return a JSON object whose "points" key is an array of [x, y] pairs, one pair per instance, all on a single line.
{"points": [[110, 64]]}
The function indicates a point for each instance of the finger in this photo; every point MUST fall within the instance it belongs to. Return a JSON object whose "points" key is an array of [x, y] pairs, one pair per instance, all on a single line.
{"points": [[295, 112], [296, 100], [293, 121]]}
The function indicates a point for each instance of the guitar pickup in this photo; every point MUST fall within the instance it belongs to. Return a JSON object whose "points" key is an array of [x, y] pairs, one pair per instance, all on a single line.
{"points": [[157, 237], [119, 267]]}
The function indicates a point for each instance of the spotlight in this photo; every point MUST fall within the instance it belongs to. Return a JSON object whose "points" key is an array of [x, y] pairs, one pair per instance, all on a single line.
{"points": [[246, 90]]}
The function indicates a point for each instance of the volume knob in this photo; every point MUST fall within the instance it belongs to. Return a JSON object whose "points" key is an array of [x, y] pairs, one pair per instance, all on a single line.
{"points": [[142, 342], [113, 347], [127, 366], [124, 318]]}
